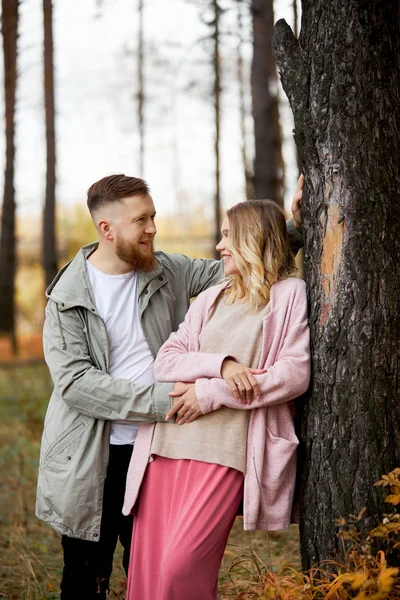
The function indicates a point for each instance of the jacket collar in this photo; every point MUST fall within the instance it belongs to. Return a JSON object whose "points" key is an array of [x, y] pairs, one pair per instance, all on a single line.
{"points": [[144, 278], [71, 286]]}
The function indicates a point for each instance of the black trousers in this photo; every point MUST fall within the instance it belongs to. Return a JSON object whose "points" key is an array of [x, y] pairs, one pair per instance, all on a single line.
{"points": [[88, 565]]}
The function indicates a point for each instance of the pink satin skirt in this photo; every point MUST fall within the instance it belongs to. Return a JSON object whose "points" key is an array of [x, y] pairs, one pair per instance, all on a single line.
{"points": [[185, 513]]}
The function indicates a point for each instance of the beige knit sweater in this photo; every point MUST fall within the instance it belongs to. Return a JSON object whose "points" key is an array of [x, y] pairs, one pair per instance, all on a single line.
{"points": [[219, 437]]}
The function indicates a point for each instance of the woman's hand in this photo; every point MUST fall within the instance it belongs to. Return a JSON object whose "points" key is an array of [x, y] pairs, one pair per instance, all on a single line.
{"points": [[241, 380], [185, 407]]}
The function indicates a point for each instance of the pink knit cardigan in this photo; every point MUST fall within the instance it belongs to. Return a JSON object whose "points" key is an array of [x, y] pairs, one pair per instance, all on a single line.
{"points": [[271, 442]]}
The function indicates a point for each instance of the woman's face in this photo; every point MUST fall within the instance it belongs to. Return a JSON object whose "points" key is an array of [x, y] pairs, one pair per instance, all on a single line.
{"points": [[230, 267]]}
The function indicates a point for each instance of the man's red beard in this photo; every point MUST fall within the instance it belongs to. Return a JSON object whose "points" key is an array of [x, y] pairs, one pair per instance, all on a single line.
{"points": [[132, 254]]}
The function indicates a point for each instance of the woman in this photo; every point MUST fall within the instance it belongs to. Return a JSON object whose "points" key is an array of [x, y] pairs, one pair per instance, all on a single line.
{"points": [[244, 444]]}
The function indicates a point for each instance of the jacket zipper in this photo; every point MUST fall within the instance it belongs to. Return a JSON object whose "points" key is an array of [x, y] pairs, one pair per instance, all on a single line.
{"points": [[141, 313], [107, 341]]}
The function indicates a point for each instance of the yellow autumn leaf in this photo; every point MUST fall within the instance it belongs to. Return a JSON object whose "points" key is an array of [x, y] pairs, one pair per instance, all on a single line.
{"points": [[393, 499]]}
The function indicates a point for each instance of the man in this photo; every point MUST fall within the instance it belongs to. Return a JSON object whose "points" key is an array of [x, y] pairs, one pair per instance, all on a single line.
{"points": [[109, 311]]}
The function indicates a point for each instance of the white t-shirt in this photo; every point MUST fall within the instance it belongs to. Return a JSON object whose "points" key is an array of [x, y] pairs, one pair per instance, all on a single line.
{"points": [[130, 357]]}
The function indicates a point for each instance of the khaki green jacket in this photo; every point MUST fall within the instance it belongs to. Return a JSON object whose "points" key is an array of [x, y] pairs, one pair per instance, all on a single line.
{"points": [[75, 441]]}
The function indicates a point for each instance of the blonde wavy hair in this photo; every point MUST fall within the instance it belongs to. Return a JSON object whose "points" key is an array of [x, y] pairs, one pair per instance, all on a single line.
{"points": [[259, 243]]}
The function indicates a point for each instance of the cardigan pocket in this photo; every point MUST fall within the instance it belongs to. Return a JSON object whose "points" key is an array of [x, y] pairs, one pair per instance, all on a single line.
{"points": [[279, 469]]}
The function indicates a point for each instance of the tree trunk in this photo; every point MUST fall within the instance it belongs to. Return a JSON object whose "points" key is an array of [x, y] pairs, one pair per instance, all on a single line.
{"points": [[268, 163], [217, 117], [9, 27], [49, 221], [295, 19], [343, 78], [248, 175]]}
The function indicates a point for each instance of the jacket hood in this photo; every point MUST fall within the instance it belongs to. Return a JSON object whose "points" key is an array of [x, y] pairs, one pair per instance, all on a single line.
{"points": [[70, 287]]}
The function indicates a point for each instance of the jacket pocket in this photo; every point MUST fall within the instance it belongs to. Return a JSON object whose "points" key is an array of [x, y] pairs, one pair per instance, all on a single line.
{"points": [[63, 448]]}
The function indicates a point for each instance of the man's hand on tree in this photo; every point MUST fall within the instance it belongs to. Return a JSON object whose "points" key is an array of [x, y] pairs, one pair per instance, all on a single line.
{"points": [[297, 200]]}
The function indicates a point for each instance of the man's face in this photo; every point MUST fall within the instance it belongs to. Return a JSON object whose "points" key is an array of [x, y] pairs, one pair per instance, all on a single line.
{"points": [[133, 227]]}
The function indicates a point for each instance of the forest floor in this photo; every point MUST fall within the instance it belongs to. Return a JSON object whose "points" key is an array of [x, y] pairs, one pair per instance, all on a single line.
{"points": [[30, 551]]}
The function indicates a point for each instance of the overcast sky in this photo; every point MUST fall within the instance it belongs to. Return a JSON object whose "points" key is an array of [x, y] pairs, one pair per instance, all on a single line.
{"points": [[95, 60]]}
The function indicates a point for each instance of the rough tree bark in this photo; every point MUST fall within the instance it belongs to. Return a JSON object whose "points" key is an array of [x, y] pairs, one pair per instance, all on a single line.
{"points": [[9, 28], [343, 82], [268, 163], [49, 213]]}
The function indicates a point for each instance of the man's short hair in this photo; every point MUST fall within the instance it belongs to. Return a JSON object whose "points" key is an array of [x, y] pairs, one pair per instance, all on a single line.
{"points": [[113, 188]]}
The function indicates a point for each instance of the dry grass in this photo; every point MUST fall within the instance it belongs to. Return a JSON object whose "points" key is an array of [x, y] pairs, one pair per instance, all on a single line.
{"points": [[29, 551]]}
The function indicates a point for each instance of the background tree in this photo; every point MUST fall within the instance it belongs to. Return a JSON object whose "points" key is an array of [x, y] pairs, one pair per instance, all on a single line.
{"points": [[9, 29], [214, 8], [215, 23], [343, 79], [49, 217], [140, 92], [295, 19], [268, 162], [248, 172]]}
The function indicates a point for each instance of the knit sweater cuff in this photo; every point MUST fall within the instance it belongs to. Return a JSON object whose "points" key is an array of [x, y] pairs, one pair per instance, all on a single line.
{"points": [[203, 396]]}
